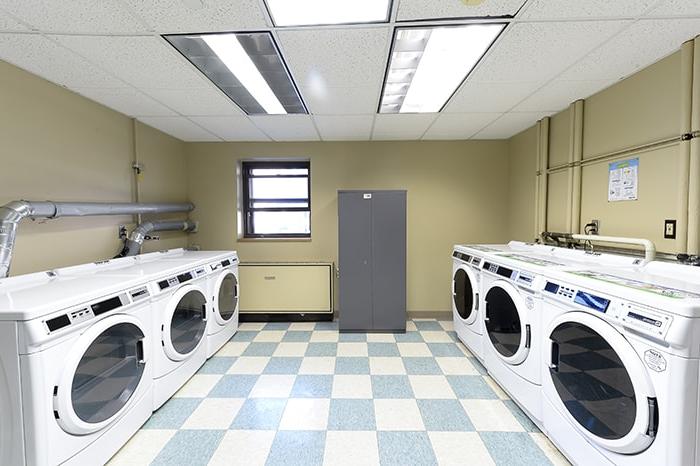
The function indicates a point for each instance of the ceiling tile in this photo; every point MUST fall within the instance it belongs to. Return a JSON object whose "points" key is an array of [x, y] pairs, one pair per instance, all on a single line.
{"points": [[676, 8], [49, 60], [7, 23], [179, 127], [342, 100], [540, 51], [557, 95], [173, 16], [323, 58], [191, 102], [145, 62], [510, 124], [636, 47], [127, 101], [489, 97], [287, 127], [401, 126], [231, 128], [431, 9], [344, 128], [76, 16], [557, 9], [459, 125]]}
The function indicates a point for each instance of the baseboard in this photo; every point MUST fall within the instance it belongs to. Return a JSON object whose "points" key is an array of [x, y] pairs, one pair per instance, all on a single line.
{"points": [[285, 317], [439, 315]]}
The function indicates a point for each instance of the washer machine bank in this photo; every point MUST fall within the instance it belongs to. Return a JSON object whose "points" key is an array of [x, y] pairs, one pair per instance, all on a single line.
{"points": [[621, 365], [75, 367]]}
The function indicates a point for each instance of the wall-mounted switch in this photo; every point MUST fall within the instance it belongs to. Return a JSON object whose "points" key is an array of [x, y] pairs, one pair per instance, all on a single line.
{"points": [[670, 229]]}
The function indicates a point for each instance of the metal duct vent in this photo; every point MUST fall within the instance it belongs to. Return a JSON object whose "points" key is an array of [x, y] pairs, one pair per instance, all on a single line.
{"points": [[247, 67]]}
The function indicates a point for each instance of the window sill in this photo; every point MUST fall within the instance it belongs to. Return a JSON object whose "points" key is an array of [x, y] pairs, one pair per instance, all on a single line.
{"points": [[273, 240]]}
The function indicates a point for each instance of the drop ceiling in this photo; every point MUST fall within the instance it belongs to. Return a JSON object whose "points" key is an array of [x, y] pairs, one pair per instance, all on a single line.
{"points": [[551, 53]]}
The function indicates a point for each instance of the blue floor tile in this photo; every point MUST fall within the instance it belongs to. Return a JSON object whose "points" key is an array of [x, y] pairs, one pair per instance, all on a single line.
{"points": [[326, 325], [189, 448], [351, 415], [233, 386], [244, 335], [260, 349], [297, 448], [352, 337], [352, 365], [283, 365], [471, 387], [312, 386], [478, 366], [391, 386], [429, 325], [444, 415], [276, 326], [297, 335], [513, 448], [260, 414], [445, 350], [408, 337], [453, 336], [522, 418], [173, 413], [383, 350], [217, 365], [421, 366], [405, 448], [322, 349]]}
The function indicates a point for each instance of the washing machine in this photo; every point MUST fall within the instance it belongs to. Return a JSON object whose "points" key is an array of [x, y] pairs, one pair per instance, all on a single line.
{"points": [[75, 367], [621, 371]]}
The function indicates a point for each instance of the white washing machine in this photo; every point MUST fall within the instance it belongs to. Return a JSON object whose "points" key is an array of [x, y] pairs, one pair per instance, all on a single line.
{"points": [[75, 367], [621, 365]]}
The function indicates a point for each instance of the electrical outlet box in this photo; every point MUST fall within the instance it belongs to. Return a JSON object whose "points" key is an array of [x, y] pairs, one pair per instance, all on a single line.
{"points": [[670, 229]]}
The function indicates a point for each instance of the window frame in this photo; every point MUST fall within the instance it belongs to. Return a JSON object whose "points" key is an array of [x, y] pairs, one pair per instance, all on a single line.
{"points": [[247, 166]]}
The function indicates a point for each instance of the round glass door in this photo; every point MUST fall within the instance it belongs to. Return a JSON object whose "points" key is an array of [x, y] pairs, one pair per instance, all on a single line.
{"points": [[227, 299], [463, 294], [503, 323], [188, 322], [108, 373]]}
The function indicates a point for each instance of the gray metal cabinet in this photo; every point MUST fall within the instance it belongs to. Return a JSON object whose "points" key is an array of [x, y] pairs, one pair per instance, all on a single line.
{"points": [[372, 260]]}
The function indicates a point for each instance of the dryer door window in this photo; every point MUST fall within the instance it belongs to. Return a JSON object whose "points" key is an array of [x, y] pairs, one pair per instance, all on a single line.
{"points": [[188, 322], [108, 373], [463, 294], [503, 323], [227, 299], [592, 381]]}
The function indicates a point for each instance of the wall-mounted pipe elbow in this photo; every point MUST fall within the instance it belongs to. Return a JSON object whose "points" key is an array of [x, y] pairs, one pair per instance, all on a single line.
{"points": [[132, 245], [648, 245]]}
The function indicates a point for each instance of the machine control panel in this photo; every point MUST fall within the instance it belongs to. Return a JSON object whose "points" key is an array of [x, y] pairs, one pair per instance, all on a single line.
{"points": [[582, 298], [459, 255], [646, 320], [139, 293], [85, 313], [199, 272]]}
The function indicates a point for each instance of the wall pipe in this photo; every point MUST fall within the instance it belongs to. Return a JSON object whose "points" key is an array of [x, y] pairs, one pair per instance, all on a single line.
{"points": [[544, 178], [13, 213], [538, 154], [649, 247], [694, 165], [684, 146], [577, 172], [132, 245]]}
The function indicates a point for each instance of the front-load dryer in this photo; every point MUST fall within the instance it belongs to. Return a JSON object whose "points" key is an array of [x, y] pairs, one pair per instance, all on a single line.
{"points": [[223, 288], [621, 365], [75, 367]]}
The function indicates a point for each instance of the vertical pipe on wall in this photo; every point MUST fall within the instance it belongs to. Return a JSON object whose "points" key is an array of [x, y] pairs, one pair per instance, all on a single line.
{"points": [[694, 167], [544, 165], [576, 170], [538, 174], [570, 170], [136, 166], [684, 146]]}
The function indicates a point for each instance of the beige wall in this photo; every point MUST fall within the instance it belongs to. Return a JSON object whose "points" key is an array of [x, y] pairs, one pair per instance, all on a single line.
{"points": [[522, 154], [59, 146], [457, 193], [644, 108]]}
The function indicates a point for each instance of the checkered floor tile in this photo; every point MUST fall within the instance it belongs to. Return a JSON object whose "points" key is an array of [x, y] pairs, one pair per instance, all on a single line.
{"points": [[305, 394]]}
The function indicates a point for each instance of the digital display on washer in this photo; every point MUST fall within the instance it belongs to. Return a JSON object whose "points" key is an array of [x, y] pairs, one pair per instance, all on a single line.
{"points": [[184, 277], [226, 263], [163, 284], [106, 305], [551, 287], [58, 323], [592, 301]]}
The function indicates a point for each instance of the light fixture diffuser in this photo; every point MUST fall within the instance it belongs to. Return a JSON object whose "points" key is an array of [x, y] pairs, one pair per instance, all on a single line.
{"points": [[427, 65], [323, 12], [247, 67]]}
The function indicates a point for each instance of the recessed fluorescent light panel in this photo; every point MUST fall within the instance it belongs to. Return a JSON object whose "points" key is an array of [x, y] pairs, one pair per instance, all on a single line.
{"points": [[248, 67], [428, 65], [320, 12]]}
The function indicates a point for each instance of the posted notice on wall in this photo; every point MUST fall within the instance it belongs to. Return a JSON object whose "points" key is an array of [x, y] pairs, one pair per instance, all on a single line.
{"points": [[623, 179]]}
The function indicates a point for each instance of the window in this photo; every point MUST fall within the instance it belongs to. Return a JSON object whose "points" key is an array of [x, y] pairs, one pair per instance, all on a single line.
{"points": [[276, 199]]}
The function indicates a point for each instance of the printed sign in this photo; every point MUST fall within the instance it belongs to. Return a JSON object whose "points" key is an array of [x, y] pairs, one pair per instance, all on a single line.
{"points": [[623, 177], [655, 360]]}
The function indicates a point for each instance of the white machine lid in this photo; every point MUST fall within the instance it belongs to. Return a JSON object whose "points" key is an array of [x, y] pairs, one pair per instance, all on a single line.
{"points": [[201, 256]]}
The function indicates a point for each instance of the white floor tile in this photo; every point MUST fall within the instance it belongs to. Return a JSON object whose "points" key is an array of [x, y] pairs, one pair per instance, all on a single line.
{"points": [[386, 366], [214, 414], [352, 349], [291, 349], [456, 366], [142, 448], [448, 325], [550, 451], [352, 386], [414, 350], [381, 338], [431, 387], [326, 336], [249, 365], [255, 326], [459, 448], [348, 448], [496, 388], [305, 414], [243, 448], [273, 386], [491, 415], [233, 348], [398, 415], [411, 327], [317, 365], [436, 337], [269, 336], [302, 326], [198, 386]]}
